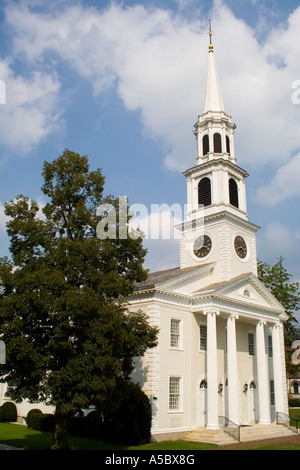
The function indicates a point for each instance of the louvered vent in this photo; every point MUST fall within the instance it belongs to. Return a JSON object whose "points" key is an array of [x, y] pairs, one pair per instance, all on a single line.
{"points": [[204, 192], [233, 193], [217, 143], [227, 145], [205, 144]]}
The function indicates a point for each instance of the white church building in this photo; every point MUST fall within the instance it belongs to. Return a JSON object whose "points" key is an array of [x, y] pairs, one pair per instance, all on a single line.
{"points": [[220, 350], [221, 345]]}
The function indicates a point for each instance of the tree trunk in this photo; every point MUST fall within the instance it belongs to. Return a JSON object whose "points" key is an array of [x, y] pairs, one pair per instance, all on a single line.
{"points": [[60, 434]]}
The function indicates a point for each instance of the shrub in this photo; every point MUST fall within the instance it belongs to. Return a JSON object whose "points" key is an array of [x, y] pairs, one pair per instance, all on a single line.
{"points": [[30, 419], [135, 417], [40, 421], [47, 422], [94, 425], [130, 423], [294, 402], [8, 412], [77, 426]]}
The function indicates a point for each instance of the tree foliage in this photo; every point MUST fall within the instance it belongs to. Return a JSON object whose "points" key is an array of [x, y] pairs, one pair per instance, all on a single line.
{"points": [[279, 282], [68, 342]]}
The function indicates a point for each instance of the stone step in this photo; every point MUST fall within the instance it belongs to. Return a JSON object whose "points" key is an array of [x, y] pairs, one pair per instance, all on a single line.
{"points": [[247, 433], [210, 436], [260, 431]]}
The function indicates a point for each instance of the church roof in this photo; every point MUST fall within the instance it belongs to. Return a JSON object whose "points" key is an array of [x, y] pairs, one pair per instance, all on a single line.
{"points": [[159, 277], [217, 285]]}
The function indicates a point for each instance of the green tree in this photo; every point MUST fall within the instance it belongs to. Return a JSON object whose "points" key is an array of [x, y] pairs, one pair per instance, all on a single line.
{"points": [[279, 282], [68, 342]]}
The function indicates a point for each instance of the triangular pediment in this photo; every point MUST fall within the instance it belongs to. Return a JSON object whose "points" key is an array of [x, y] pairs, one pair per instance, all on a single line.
{"points": [[194, 283], [246, 288]]}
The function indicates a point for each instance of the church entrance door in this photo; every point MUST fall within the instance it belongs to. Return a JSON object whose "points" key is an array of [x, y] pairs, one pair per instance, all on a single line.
{"points": [[253, 404], [202, 403]]}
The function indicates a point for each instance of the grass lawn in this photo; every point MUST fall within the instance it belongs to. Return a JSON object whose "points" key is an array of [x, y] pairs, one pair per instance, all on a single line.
{"points": [[295, 414], [28, 439]]}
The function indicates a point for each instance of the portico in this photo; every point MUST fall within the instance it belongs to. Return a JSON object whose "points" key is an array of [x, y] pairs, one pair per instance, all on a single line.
{"points": [[233, 384]]}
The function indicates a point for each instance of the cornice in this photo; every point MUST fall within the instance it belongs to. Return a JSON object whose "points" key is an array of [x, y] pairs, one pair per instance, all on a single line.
{"points": [[220, 216], [215, 162], [243, 307], [231, 218], [196, 304]]}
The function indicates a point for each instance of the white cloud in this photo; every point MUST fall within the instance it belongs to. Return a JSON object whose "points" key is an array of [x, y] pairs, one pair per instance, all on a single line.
{"points": [[285, 184], [157, 61], [3, 218], [158, 223], [161, 238], [162, 254], [31, 110], [148, 55]]}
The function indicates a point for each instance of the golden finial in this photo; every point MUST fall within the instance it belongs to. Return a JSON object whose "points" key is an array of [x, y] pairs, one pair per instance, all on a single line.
{"points": [[211, 47]]}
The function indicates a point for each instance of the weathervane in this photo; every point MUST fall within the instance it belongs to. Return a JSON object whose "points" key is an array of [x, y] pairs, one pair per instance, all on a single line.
{"points": [[211, 47]]}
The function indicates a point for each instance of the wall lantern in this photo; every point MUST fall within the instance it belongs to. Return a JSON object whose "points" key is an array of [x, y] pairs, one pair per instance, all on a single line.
{"points": [[245, 388], [220, 388]]}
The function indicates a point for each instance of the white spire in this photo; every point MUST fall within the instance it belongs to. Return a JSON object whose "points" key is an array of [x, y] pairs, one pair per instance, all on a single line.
{"points": [[213, 96]]}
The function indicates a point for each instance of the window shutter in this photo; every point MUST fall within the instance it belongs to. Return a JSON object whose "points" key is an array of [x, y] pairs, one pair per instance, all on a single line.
{"points": [[227, 144], [205, 145], [204, 192], [233, 193], [217, 143]]}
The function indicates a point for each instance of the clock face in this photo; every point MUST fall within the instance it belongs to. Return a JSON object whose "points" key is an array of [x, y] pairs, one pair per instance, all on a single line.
{"points": [[240, 247], [202, 246]]}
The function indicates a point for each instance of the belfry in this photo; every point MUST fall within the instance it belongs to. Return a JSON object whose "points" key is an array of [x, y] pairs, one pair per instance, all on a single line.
{"points": [[220, 356]]}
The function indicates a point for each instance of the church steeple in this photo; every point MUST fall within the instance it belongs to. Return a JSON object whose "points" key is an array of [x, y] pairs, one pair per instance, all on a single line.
{"points": [[213, 96], [216, 193], [214, 130]]}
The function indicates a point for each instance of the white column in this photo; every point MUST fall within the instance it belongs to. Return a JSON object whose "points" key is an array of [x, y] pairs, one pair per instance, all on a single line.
{"points": [[263, 376], [223, 138], [233, 397], [212, 371], [232, 150], [277, 368]]}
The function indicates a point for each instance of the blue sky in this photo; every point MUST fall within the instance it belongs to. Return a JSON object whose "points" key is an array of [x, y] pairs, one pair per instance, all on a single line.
{"points": [[123, 82]]}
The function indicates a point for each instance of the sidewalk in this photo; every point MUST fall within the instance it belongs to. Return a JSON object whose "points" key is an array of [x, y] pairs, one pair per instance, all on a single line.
{"points": [[5, 447], [284, 442]]}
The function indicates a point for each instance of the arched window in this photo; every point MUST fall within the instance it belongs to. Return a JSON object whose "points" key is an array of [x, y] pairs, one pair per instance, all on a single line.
{"points": [[203, 384], [217, 143], [204, 192], [296, 387], [227, 144], [253, 385], [205, 144], [233, 193]]}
